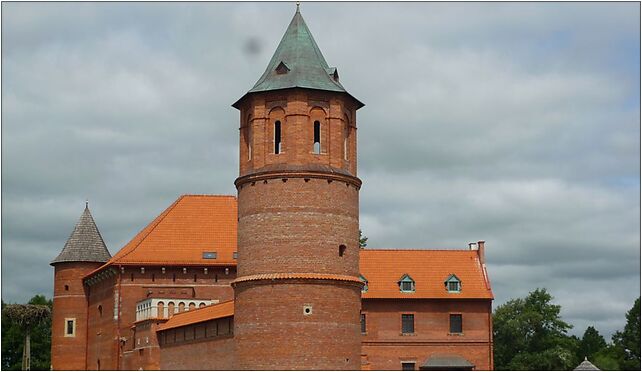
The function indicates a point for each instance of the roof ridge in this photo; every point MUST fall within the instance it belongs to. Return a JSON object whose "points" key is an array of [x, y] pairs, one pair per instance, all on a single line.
{"points": [[210, 195], [154, 224]]}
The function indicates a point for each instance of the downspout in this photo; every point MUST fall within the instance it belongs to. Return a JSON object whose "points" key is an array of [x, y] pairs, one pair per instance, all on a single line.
{"points": [[118, 323], [490, 335], [87, 327]]}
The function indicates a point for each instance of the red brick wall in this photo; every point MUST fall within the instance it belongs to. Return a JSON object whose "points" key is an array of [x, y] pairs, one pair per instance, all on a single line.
{"points": [[104, 341], [272, 331], [211, 341], [297, 226], [69, 352], [385, 347], [297, 109], [296, 209]]}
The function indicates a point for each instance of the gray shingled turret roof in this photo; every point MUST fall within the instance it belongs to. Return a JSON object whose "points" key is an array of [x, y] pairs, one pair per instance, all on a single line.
{"points": [[586, 366], [298, 63], [85, 243]]}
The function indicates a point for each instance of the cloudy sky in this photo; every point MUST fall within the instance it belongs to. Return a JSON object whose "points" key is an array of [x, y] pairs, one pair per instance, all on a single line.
{"points": [[518, 124]]}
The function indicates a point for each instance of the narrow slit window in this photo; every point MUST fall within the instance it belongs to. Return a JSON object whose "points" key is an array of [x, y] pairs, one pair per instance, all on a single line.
{"points": [[363, 323], [342, 250], [277, 137], [346, 135], [316, 148]]}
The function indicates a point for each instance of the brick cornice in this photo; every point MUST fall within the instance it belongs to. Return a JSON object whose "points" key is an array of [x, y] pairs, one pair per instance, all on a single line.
{"points": [[284, 174]]}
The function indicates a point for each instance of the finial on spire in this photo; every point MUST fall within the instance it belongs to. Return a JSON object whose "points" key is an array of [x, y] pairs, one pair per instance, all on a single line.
{"points": [[86, 203], [297, 6]]}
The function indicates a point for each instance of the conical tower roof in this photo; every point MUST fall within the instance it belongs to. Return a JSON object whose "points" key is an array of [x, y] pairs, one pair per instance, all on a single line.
{"points": [[298, 63], [586, 366], [85, 243]]}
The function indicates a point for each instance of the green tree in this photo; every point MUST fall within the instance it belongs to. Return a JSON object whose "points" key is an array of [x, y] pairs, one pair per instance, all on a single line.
{"points": [[363, 240], [627, 342], [607, 359], [530, 335], [592, 343], [13, 338]]}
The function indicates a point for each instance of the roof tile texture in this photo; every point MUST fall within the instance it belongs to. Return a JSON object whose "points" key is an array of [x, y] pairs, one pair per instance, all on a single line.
{"points": [[428, 268], [222, 310], [192, 225], [85, 244]]}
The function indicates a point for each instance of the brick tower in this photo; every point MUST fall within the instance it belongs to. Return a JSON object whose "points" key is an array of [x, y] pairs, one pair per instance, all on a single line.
{"points": [[84, 251], [297, 292]]}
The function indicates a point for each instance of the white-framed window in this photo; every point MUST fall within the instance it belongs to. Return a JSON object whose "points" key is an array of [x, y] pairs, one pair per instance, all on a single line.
{"points": [[70, 327], [406, 284], [453, 284]]}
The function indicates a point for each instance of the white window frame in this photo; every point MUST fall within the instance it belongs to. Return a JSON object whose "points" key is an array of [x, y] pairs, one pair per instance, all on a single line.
{"points": [[73, 334]]}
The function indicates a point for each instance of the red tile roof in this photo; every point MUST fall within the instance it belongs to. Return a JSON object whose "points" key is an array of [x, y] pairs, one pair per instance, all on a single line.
{"points": [[383, 268], [192, 225], [203, 314]]}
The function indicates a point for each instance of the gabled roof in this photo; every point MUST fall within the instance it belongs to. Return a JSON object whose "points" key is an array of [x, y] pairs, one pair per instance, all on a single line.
{"points": [[190, 227], [298, 63], [85, 244], [203, 314], [428, 268]]}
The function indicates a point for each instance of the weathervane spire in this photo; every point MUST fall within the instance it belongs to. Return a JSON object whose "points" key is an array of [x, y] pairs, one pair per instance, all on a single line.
{"points": [[297, 6]]}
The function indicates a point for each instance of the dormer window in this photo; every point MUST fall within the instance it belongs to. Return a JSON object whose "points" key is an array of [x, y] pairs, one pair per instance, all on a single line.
{"points": [[406, 284], [365, 283], [282, 68], [453, 284]]}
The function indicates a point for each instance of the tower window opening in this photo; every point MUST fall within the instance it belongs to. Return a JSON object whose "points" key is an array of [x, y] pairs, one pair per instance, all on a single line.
{"points": [[153, 277], [173, 277], [277, 137], [194, 277], [100, 310], [70, 327], [346, 135], [316, 148], [131, 277], [342, 250], [66, 287]]}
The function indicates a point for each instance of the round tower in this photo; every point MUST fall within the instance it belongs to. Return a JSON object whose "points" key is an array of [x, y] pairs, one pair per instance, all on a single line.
{"points": [[84, 252], [297, 293]]}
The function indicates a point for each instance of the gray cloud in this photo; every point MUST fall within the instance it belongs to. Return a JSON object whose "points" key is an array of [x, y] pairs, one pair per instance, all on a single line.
{"points": [[513, 123]]}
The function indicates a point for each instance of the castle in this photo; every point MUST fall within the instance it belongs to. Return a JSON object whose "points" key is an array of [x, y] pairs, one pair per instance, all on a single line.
{"points": [[275, 277]]}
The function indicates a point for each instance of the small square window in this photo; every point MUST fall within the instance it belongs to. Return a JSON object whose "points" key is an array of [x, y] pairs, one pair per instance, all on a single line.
{"points": [[407, 366], [70, 327], [407, 323], [455, 323], [453, 286]]}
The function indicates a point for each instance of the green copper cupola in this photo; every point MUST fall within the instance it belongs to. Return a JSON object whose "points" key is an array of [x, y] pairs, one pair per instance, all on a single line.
{"points": [[298, 63]]}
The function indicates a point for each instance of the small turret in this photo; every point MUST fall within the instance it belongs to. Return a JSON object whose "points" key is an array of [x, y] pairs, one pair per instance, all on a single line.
{"points": [[84, 251]]}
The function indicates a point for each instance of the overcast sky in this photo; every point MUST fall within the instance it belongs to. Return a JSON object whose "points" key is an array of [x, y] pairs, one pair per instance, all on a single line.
{"points": [[518, 124]]}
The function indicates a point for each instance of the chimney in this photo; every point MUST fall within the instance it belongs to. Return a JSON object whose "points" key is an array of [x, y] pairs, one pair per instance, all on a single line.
{"points": [[472, 246], [481, 252]]}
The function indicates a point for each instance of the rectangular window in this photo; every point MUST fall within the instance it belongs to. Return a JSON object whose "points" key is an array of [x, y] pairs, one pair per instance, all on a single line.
{"points": [[407, 323], [317, 138], [235, 255], [70, 327], [455, 323], [209, 255], [406, 286], [407, 366], [453, 286], [363, 323], [277, 137]]}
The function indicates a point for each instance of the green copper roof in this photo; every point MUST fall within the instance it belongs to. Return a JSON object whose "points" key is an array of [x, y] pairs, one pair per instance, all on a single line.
{"points": [[298, 63]]}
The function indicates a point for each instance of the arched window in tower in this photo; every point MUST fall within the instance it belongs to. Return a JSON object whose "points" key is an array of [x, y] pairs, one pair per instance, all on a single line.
{"points": [[316, 147], [247, 137], [346, 137], [277, 137], [181, 307], [170, 309], [160, 309], [100, 311]]}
